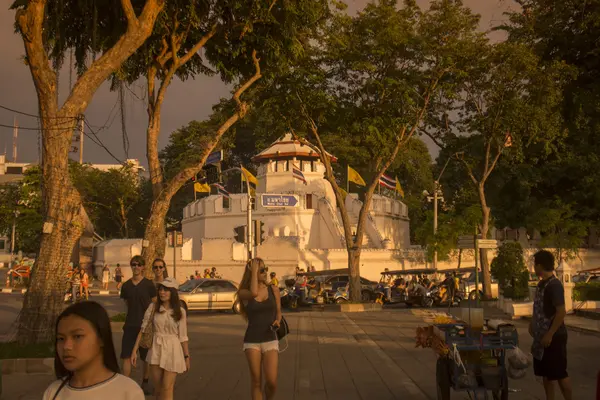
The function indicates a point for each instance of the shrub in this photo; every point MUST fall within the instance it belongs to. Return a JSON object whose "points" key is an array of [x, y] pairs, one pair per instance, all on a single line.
{"points": [[118, 317], [510, 271], [586, 291]]}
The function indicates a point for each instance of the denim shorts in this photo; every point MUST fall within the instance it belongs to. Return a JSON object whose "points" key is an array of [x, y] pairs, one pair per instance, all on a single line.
{"points": [[263, 347]]}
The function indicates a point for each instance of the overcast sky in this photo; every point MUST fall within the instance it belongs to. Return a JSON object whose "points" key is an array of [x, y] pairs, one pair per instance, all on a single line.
{"points": [[185, 101]]}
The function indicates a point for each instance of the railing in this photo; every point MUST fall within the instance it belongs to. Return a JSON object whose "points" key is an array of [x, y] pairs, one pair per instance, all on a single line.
{"points": [[334, 219]]}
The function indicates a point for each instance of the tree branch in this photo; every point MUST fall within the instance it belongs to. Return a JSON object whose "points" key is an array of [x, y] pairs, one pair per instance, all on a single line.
{"points": [[129, 12], [494, 162], [100, 70], [469, 170], [201, 43], [175, 183]]}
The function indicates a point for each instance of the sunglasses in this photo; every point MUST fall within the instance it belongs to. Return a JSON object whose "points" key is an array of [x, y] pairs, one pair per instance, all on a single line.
{"points": [[158, 267], [134, 264]]}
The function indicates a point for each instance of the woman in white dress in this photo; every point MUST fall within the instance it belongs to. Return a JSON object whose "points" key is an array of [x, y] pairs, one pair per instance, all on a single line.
{"points": [[169, 354], [105, 276]]}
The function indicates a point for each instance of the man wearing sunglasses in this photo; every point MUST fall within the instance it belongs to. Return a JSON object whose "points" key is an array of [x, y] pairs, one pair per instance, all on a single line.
{"points": [[138, 292]]}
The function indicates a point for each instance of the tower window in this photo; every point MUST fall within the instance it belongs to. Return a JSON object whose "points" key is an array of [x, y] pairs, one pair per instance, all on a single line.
{"points": [[309, 201]]}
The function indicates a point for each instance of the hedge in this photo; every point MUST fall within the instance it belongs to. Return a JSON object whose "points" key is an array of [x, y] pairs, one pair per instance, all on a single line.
{"points": [[587, 291]]}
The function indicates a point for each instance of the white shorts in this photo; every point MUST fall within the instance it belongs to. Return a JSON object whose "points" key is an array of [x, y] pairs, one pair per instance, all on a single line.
{"points": [[263, 347]]}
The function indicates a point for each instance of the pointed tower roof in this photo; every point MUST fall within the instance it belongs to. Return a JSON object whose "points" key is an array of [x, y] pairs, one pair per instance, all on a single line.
{"points": [[285, 147]]}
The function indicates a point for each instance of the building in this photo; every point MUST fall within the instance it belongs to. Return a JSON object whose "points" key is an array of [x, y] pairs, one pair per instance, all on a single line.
{"points": [[302, 224]]}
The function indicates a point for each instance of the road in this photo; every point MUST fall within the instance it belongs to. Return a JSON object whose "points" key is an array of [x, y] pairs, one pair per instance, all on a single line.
{"points": [[330, 355]]}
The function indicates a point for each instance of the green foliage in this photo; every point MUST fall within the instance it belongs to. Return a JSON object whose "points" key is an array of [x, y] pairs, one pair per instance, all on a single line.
{"points": [[120, 317], [509, 269], [11, 350], [587, 291], [559, 227]]}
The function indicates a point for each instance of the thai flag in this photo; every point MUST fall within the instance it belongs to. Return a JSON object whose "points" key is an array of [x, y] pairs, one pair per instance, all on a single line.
{"points": [[298, 174], [387, 182], [221, 190]]}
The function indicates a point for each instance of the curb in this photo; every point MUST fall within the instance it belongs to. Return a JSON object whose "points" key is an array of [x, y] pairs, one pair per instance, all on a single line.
{"points": [[44, 366], [574, 328]]}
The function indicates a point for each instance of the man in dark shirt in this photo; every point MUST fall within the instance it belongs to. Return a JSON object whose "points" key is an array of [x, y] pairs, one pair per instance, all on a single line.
{"points": [[138, 292], [548, 330]]}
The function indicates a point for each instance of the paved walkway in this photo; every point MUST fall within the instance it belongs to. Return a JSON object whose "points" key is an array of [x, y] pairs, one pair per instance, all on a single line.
{"points": [[332, 356]]}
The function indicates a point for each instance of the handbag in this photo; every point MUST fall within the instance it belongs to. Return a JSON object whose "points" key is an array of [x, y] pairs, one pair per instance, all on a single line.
{"points": [[148, 333], [283, 329]]}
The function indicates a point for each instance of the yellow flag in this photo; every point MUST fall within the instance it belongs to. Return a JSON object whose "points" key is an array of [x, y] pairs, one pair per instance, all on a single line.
{"points": [[251, 178], [355, 177], [399, 188], [201, 187], [344, 194]]}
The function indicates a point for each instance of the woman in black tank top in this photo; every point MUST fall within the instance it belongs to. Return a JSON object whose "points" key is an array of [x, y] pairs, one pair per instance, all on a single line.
{"points": [[261, 307]]}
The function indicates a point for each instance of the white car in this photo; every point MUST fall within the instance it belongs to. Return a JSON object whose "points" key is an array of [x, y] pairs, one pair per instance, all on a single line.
{"points": [[208, 295]]}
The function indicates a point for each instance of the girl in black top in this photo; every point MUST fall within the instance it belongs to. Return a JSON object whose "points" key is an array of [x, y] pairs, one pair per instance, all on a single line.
{"points": [[261, 307]]}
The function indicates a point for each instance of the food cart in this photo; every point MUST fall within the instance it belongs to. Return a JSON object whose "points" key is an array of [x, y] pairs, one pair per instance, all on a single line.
{"points": [[470, 360]]}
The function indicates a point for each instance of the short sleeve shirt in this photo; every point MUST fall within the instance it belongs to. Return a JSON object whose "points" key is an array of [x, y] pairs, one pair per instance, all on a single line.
{"points": [[138, 298], [554, 296]]}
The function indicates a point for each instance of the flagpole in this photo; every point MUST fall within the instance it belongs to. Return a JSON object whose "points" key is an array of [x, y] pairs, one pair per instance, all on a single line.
{"points": [[348, 178], [194, 186]]}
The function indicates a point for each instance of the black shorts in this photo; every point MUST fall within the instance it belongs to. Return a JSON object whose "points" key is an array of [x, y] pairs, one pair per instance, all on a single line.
{"points": [[118, 279], [553, 365], [130, 334]]}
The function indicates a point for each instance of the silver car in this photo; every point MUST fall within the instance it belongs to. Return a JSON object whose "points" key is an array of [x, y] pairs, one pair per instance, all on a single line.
{"points": [[208, 295]]}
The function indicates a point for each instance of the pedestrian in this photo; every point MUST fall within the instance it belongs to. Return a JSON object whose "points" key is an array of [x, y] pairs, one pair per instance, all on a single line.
{"points": [[548, 330], [118, 276], [169, 354], [213, 273], [207, 273], [76, 284], [274, 281], [196, 274], [105, 276], [84, 290], [159, 267], [138, 292], [261, 307], [85, 362]]}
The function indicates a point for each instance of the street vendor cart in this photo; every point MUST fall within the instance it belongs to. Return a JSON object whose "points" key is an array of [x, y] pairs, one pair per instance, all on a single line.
{"points": [[469, 360]]}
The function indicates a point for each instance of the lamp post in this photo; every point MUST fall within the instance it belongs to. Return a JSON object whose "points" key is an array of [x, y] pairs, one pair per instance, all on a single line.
{"points": [[248, 211]]}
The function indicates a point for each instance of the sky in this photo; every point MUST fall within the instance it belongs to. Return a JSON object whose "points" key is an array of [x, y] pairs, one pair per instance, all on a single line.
{"points": [[185, 101]]}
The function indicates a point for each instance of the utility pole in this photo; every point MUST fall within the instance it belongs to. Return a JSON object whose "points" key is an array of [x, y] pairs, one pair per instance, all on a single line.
{"points": [[435, 219], [15, 137], [81, 121]]}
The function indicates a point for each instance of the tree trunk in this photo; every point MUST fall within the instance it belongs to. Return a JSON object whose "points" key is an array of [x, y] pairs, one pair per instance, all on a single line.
{"points": [[485, 221], [63, 225], [155, 235], [354, 268], [154, 167], [459, 257]]}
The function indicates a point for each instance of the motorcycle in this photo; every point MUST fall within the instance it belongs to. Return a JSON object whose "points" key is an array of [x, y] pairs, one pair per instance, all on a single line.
{"points": [[289, 298]]}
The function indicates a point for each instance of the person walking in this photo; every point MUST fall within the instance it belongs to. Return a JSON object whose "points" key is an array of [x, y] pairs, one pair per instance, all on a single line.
{"points": [[261, 306], [169, 354], [159, 267], [548, 330], [76, 284], [85, 362], [138, 292], [105, 276], [118, 276], [84, 290], [274, 281]]}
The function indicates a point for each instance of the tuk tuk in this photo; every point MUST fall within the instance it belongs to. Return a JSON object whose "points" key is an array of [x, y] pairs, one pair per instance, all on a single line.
{"points": [[393, 285], [468, 282]]}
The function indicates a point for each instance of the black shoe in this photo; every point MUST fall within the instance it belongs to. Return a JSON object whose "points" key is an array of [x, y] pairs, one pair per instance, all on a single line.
{"points": [[148, 390]]}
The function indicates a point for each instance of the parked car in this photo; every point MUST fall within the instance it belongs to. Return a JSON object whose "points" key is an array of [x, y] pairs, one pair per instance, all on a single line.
{"points": [[367, 290], [468, 286], [208, 295], [586, 277]]}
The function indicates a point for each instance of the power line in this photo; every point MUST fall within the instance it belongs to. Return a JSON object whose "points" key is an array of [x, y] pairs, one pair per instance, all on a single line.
{"points": [[99, 143], [32, 115]]}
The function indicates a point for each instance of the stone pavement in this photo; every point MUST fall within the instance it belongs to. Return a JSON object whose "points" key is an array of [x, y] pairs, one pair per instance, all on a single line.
{"points": [[331, 356]]}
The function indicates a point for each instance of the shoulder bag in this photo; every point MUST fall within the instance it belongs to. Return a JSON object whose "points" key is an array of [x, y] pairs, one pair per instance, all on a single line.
{"points": [[283, 329], [148, 333]]}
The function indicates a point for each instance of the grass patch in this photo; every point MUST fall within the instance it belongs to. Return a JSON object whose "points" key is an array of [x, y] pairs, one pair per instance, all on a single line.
{"points": [[118, 317], [14, 350]]}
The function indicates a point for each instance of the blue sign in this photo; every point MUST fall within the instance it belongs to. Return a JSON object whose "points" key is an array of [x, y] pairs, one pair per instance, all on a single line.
{"points": [[279, 200], [214, 158]]}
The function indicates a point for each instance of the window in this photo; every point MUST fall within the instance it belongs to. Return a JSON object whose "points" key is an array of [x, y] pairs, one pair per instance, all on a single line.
{"points": [[2, 245], [313, 166], [309, 201], [208, 287], [226, 202], [189, 286], [224, 286]]}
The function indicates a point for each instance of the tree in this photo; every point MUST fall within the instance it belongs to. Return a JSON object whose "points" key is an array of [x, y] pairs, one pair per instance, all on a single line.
{"points": [[367, 86], [47, 32], [510, 270], [509, 101], [230, 34], [21, 203]]}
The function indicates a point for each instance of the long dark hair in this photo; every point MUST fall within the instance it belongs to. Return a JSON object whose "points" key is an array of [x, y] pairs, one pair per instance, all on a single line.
{"points": [[245, 283], [96, 315], [173, 302]]}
